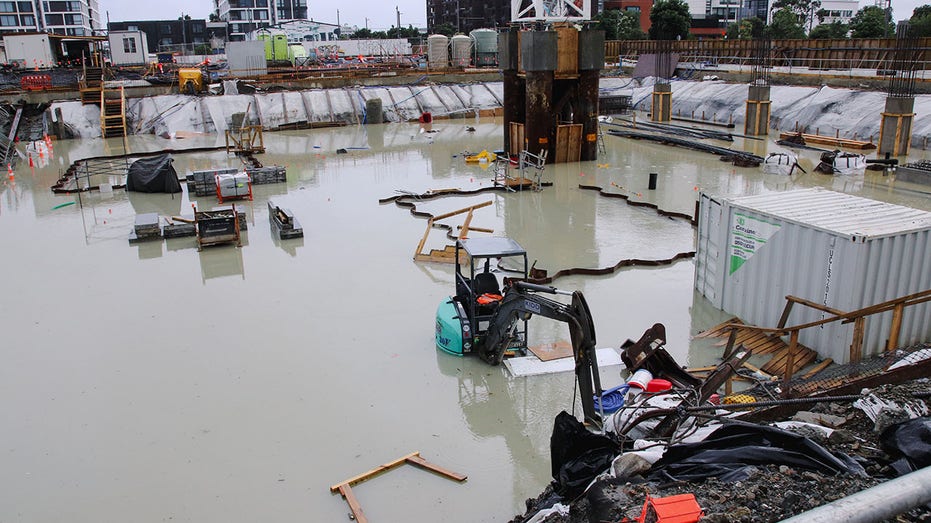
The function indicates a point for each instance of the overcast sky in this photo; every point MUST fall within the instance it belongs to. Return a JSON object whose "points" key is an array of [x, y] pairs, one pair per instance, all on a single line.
{"points": [[381, 15]]}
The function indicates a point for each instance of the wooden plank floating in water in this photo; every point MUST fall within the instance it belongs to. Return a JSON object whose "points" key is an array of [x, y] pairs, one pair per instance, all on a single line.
{"points": [[414, 458]]}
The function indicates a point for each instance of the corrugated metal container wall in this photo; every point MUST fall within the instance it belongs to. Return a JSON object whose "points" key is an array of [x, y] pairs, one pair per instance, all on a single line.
{"points": [[841, 251], [246, 58]]}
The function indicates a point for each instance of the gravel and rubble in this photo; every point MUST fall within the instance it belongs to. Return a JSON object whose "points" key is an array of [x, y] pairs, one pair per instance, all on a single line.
{"points": [[771, 492]]}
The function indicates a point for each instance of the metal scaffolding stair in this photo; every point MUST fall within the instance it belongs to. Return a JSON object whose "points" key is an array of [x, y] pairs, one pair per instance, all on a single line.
{"points": [[112, 112], [91, 85]]}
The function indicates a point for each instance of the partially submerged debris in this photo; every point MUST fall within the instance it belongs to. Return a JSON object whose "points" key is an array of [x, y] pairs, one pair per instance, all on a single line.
{"points": [[678, 441]]}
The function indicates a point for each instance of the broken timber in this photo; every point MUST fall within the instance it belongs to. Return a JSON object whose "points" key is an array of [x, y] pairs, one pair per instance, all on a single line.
{"points": [[345, 487], [448, 253], [760, 342], [830, 140]]}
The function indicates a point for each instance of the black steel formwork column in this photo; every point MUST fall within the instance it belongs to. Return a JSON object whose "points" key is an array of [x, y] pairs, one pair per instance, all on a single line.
{"points": [[895, 131], [538, 60], [513, 85], [591, 62]]}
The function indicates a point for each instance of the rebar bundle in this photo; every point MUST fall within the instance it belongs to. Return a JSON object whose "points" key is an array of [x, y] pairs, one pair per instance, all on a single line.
{"points": [[762, 65], [904, 63], [663, 61]]}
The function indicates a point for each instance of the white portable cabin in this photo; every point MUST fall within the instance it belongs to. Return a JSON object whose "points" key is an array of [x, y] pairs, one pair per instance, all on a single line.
{"points": [[29, 50], [128, 48], [840, 251]]}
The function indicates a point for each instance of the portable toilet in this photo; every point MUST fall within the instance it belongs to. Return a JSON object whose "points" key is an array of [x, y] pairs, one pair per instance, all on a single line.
{"points": [[266, 39], [280, 47]]}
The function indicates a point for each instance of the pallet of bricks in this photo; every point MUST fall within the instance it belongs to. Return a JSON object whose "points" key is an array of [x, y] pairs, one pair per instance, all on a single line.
{"points": [[266, 175], [204, 183]]}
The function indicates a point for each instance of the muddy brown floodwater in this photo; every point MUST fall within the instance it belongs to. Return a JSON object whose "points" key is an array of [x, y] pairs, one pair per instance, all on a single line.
{"points": [[154, 382]]}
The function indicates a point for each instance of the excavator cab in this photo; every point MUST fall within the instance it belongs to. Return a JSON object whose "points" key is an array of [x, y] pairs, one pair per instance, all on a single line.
{"points": [[462, 320]]}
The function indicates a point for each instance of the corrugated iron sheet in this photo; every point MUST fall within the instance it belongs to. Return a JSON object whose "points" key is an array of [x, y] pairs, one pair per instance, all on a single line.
{"points": [[837, 250], [838, 213]]}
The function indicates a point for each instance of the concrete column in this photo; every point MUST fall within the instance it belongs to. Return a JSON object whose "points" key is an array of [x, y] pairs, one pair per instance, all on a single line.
{"points": [[758, 109], [540, 124], [539, 60], [591, 62], [662, 103], [514, 98], [895, 131]]}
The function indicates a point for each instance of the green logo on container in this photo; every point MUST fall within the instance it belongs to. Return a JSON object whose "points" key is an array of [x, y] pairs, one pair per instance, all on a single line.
{"points": [[748, 235]]}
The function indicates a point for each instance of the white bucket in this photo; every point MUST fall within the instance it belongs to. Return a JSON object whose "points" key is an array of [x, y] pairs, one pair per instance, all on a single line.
{"points": [[640, 379]]}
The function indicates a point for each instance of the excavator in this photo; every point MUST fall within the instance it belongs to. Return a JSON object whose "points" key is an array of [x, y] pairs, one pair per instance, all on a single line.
{"points": [[489, 324]]}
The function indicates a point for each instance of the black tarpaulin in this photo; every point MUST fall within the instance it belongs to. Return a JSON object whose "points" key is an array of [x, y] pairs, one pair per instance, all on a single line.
{"points": [[154, 174], [577, 455], [731, 451], [910, 443]]}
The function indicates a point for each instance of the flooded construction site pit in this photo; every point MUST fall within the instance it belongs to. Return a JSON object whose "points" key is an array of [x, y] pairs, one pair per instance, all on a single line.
{"points": [[156, 382]]}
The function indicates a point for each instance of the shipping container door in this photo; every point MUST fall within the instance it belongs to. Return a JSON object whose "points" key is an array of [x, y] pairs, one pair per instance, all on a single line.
{"points": [[708, 257]]}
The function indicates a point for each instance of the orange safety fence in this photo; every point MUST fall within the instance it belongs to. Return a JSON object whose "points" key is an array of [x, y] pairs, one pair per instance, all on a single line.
{"points": [[36, 82]]}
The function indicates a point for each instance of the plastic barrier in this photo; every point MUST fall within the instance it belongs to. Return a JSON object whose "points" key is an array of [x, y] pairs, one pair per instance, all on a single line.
{"points": [[36, 82]]}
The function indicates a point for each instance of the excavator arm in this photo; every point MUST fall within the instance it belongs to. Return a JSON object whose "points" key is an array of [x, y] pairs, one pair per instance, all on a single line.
{"points": [[520, 302]]}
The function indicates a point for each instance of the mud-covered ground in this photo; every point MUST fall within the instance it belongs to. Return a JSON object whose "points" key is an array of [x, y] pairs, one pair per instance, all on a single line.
{"points": [[772, 492]]}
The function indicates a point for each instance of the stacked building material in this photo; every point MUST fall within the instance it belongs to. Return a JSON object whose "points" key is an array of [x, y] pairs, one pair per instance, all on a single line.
{"points": [[146, 228], [179, 230], [266, 175], [234, 185], [204, 183], [283, 222], [915, 172]]}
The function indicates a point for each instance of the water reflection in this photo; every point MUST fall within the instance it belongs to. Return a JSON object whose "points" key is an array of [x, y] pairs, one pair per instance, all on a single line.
{"points": [[221, 261]]}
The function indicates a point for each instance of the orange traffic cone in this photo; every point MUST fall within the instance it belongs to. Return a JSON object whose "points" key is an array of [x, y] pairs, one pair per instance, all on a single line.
{"points": [[31, 165], [9, 171]]}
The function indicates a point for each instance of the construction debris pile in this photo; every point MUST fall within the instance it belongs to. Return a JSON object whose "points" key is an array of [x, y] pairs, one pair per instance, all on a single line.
{"points": [[670, 443]]}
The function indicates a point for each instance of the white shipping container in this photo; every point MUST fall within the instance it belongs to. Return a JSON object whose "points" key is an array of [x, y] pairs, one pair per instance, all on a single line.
{"points": [[246, 58], [834, 249], [29, 51]]}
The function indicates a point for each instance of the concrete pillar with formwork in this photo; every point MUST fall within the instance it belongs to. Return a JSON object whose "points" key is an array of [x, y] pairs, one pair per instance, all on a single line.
{"points": [[514, 95], [551, 91], [591, 62], [662, 103], [758, 110], [538, 59], [895, 131]]}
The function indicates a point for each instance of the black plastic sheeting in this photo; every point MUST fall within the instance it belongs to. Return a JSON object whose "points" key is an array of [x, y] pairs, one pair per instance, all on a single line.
{"points": [[155, 174], [910, 443], [731, 452], [578, 455]]}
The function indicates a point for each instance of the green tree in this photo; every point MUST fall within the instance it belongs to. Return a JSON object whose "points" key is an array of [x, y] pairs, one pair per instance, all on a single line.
{"points": [[444, 29], [670, 20], [805, 10], [785, 24], [362, 34], [920, 21], [834, 30], [871, 22], [620, 24], [751, 27], [733, 31]]}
